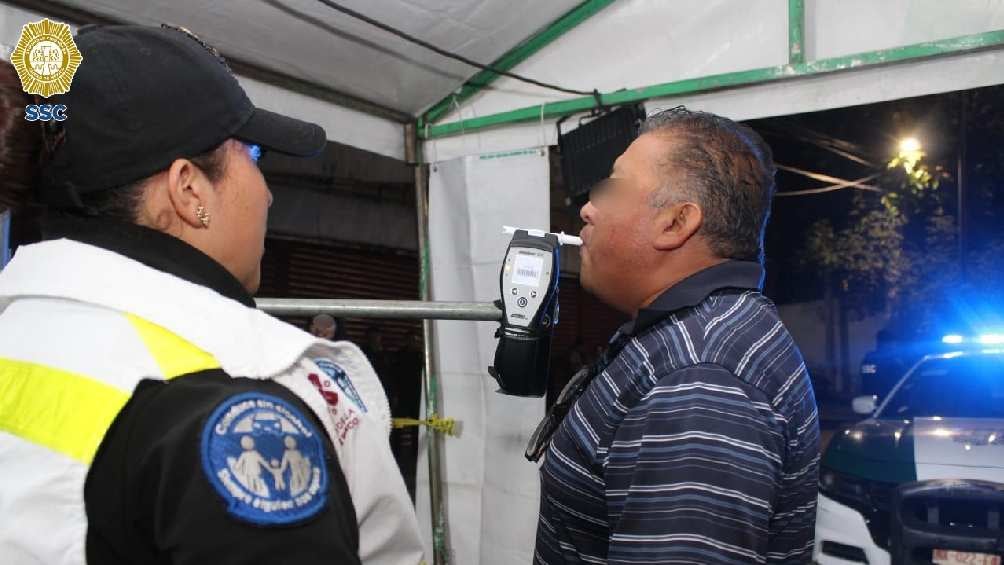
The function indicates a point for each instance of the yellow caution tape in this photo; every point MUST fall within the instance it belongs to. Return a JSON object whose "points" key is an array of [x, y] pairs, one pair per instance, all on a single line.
{"points": [[447, 426]]}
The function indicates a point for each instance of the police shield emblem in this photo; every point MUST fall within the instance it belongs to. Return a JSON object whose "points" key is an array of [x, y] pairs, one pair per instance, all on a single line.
{"points": [[265, 459], [46, 57]]}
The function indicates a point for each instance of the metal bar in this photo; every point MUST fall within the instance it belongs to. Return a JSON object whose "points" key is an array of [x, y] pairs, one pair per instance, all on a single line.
{"points": [[515, 56], [960, 185], [796, 32], [952, 46], [79, 16], [437, 498], [394, 309]]}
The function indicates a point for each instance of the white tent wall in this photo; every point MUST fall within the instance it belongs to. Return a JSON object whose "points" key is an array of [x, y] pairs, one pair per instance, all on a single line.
{"points": [[846, 27], [491, 490], [638, 43]]}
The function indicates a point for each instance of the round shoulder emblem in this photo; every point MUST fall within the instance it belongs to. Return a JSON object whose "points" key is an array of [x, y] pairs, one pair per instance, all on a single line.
{"points": [[265, 459]]}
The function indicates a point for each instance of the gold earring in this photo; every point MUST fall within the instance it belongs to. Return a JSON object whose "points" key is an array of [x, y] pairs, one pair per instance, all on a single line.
{"points": [[203, 216]]}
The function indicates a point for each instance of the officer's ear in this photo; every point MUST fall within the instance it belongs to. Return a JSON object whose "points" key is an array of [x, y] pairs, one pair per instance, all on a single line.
{"points": [[190, 190], [675, 224]]}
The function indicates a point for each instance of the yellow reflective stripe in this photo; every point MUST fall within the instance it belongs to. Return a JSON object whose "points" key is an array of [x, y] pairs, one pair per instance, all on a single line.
{"points": [[174, 355], [63, 411], [70, 413]]}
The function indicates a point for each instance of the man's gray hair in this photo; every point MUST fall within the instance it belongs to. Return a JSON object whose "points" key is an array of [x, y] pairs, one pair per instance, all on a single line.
{"points": [[724, 167]]}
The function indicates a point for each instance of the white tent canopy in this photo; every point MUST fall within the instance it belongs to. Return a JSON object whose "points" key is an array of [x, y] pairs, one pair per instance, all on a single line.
{"points": [[347, 65], [741, 58], [362, 83]]}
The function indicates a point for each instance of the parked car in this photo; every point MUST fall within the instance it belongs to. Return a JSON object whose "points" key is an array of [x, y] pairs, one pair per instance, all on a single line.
{"points": [[944, 419]]}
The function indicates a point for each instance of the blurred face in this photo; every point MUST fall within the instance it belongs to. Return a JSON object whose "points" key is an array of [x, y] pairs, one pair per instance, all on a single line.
{"points": [[617, 250], [239, 216], [323, 328]]}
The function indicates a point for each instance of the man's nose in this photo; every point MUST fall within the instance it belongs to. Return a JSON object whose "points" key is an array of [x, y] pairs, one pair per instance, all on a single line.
{"points": [[587, 211]]}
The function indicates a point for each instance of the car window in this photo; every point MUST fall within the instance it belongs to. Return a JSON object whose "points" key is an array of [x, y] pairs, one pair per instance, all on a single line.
{"points": [[961, 387]]}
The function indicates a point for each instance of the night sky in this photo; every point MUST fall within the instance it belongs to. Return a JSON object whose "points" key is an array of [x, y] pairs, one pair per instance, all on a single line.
{"points": [[851, 143]]}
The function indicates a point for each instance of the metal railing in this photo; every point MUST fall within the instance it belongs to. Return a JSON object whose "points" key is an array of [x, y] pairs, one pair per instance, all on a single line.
{"points": [[396, 309], [403, 309]]}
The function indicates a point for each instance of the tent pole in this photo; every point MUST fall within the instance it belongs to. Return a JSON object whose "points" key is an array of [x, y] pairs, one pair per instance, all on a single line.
{"points": [[437, 501], [796, 32]]}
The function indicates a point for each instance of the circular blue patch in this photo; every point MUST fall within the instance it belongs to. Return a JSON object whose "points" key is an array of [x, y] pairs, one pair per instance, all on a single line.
{"points": [[265, 459]]}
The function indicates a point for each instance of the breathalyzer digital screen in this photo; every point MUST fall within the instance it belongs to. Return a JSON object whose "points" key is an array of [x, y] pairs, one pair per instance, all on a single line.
{"points": [[527, 270]]}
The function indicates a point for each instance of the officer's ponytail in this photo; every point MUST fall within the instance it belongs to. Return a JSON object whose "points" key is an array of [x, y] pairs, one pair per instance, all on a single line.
{"points": [[20, 142]]}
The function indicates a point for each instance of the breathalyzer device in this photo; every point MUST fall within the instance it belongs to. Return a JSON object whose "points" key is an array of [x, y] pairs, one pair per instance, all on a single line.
{"points": [[529, 301]]}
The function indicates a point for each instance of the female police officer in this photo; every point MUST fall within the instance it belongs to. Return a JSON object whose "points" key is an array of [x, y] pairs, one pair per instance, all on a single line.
{"points": [[148, 412]]}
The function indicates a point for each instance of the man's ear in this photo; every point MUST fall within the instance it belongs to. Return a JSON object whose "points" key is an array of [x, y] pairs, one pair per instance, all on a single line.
{"points": [[675, 224], [188, 189]]}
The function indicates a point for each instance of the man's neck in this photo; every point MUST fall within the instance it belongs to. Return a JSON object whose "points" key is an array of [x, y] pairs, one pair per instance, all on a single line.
{"points": [[671, 275]]}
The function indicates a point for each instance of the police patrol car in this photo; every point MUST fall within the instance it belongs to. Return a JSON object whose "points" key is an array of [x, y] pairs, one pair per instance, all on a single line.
{"points": [[943, 420]]}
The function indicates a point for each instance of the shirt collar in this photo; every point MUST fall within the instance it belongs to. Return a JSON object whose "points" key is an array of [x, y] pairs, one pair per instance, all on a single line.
{"points": [[154, 249], [691, 291]]}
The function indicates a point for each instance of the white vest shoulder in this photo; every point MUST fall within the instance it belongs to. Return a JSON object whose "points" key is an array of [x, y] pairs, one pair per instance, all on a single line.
{"points": [[109, 298]]}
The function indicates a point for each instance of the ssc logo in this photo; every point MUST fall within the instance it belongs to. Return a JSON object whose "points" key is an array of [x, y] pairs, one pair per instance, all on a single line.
{"points": [[45, 112], [46, 58], [336, 374], [265, 459]]}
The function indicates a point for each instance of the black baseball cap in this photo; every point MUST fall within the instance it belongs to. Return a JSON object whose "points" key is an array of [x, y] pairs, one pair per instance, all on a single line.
{"points": [[145, 96]]}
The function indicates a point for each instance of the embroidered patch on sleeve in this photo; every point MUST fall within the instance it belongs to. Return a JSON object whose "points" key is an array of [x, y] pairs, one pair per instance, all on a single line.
{"points": [[265, 459], [337, 374]]}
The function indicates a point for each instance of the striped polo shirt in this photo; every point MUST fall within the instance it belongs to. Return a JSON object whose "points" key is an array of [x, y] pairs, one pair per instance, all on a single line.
{"points": [[696, 442]]}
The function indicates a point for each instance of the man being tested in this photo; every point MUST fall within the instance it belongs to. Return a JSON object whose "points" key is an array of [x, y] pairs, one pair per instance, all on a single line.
{"points": [[695, 438]]}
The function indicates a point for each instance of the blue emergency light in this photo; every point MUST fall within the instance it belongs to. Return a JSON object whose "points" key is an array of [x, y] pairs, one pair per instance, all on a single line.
{"points": [[991, 339], [982, 339]]}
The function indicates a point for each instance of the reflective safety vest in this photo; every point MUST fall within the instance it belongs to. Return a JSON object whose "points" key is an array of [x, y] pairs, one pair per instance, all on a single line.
{"points": [[80, 326]]}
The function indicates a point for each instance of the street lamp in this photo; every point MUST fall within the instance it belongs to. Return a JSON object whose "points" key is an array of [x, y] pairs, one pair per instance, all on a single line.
{"points": [[909, 145], [910, 152]]}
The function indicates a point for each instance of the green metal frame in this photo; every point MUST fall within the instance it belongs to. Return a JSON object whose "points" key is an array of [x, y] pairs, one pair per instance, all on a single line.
{"points": [[796, 32], [515, 56], [951, 46]]}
